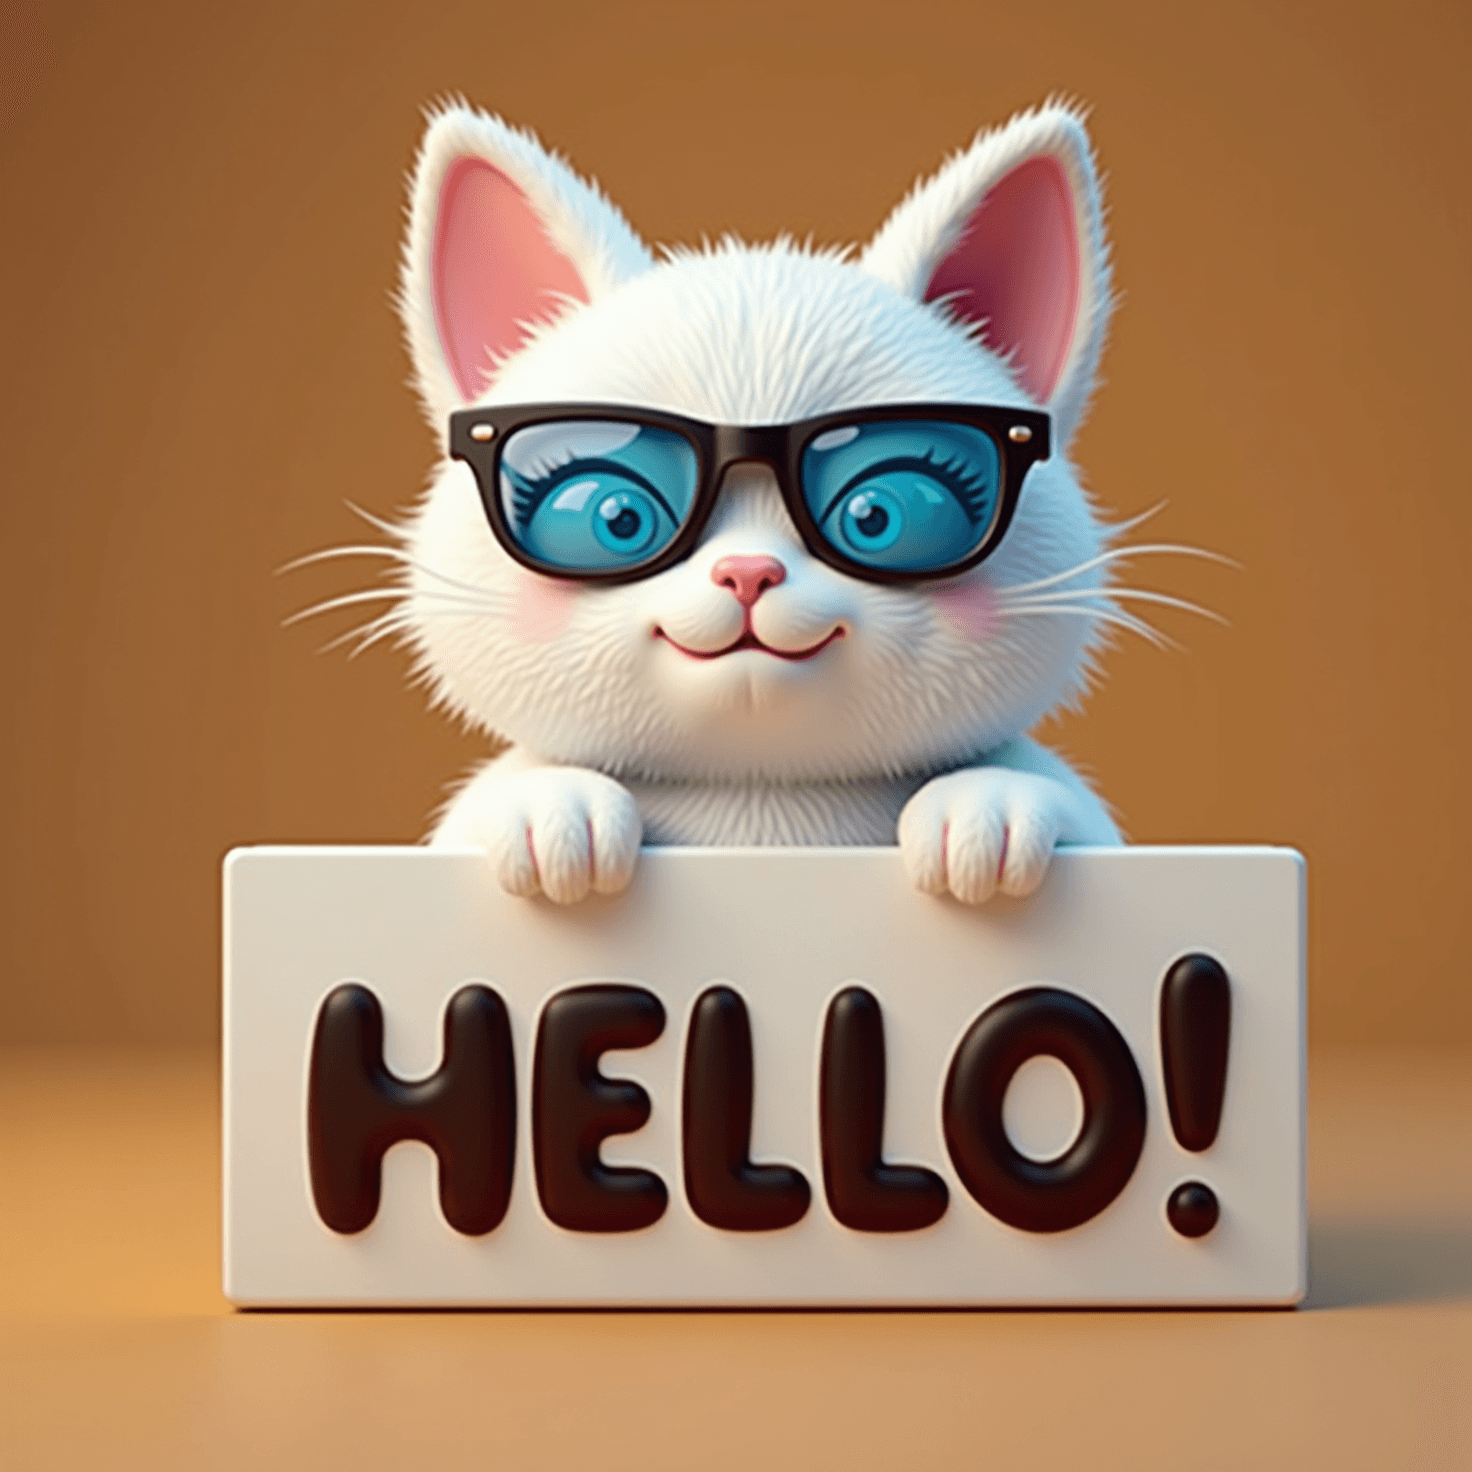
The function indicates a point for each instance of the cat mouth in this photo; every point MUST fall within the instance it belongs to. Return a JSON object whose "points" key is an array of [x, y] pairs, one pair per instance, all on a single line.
{"points": [[749, 640]]}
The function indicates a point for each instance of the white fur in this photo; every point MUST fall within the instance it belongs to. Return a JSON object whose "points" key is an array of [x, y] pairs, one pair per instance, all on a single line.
{"points": [[906, 725]]}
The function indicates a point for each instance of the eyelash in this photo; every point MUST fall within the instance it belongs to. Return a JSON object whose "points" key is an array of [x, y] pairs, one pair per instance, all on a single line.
{"points": [[969, 488], [531, 492]]}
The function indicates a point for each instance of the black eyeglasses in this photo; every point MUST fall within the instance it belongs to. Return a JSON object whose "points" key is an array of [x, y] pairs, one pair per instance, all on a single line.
{"points": [[607, 494]]}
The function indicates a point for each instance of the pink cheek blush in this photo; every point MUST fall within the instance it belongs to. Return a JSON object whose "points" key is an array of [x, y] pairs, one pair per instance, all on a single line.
{"points": [[543, 608], [970, 608]]}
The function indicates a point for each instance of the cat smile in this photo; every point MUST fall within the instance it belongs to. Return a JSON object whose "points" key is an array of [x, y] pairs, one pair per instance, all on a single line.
{"points": [[749, 640]]}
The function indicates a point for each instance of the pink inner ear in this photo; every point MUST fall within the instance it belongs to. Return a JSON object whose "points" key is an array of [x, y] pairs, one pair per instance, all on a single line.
{"points": [[494, 268], [1016, 268]]}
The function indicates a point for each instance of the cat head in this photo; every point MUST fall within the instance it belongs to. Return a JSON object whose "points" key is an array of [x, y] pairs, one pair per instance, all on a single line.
{"points": [[523, 285]]}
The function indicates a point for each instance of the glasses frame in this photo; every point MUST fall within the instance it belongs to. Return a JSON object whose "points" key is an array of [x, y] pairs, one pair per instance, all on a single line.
{"points": [[1022, 436]]}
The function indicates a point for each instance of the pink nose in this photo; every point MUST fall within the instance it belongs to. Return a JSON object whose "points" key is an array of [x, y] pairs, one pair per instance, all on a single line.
{"points": [[748, 577]]}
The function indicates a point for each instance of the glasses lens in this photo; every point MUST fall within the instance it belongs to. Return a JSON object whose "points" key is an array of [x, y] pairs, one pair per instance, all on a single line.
{"points": [[596, 495], [905, 495]]}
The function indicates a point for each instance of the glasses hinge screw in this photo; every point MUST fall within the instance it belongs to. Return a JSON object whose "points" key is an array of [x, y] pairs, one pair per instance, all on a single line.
{"points": [[1019, 434], [485, 432]]}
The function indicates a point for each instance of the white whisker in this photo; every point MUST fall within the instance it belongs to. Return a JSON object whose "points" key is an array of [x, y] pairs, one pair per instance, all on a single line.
{"points": [[1117, 617], [396, 620], [395, 554], [386, 527], [377, 628], [1116, 529], [376, 637], [1108, 595], [1117, 554], [327, 554], [449, 602], [344, 600]]}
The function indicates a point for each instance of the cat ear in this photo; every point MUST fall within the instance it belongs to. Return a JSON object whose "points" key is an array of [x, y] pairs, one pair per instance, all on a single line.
{"points": [[1009, 236], [502, 236]]}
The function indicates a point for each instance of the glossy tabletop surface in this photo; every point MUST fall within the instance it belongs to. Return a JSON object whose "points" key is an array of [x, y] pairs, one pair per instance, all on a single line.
{"points": [[118, 1351]]}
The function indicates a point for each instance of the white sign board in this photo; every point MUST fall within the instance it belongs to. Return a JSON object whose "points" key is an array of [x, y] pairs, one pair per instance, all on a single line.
{"points": [[764, 1077]]}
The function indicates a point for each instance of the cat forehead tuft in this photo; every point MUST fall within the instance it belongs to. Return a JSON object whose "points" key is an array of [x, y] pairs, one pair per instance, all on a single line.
{"points": [[755, 334]]}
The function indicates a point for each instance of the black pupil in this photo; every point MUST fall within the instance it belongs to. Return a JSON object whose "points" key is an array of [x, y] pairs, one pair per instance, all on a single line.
{"points": [[873, 522], [626, 524]]}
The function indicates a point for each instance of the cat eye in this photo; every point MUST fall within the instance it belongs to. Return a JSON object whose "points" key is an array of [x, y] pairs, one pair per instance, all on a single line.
{"points": [[608, 494]]}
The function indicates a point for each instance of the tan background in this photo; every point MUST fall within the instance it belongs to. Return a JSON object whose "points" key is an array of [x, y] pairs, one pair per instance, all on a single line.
{"points": [[199, 220], [201, 211]]}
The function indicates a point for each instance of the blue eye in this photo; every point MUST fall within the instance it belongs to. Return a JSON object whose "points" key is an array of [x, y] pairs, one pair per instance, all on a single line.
{"points": [[587, 496], [872, 520], [904, 495], [626, 523]]}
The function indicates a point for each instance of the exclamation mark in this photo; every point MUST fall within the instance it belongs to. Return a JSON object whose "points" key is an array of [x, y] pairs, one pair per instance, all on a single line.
{"points": [[1195, 1027]]}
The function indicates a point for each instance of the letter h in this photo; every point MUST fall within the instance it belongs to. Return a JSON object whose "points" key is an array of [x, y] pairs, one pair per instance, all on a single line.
{"points": [[465, 1111]]}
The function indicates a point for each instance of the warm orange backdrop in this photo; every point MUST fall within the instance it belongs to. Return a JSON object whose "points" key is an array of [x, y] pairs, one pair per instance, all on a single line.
{"points": [[201, 212]]}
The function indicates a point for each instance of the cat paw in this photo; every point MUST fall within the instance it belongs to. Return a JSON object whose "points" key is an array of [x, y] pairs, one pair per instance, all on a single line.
{"points": [[563, 832], [981, 830]]}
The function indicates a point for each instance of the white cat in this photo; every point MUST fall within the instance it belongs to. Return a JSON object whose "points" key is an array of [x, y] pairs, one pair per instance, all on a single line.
{"points": [[753, 692]]}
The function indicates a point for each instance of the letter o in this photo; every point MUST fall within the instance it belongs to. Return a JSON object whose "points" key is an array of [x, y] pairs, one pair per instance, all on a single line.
{"points": [[1053, 1195]]}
